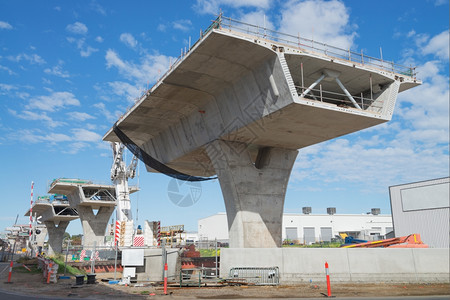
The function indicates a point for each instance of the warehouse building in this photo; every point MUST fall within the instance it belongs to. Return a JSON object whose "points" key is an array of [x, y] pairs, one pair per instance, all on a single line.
{"points": [[423, 208], [308, 228]]}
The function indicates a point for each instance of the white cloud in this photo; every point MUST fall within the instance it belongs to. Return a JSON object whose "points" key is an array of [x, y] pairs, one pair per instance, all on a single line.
{"points": [[31, 58], [162, 27], [258, 18], [322, 21], [33, 116], [5, 25], [440, 2], [99, 39], [120, 88], [213, 6], [376, 167], [149, 70], [97, 8], [84, 135], [53, 102], [57, 71], [183, 25], [79, 116], [7, 87], [74, 148], [128, 40], [85, 50], [105, 112], [8, 70], [438, 46], [35, 136], [426, 107], [77, 28]]}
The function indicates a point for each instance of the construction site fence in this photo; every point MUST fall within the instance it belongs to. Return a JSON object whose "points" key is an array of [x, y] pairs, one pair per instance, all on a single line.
{"points": [[197, 276], [210, 244], [80, 254], [256, 275]]}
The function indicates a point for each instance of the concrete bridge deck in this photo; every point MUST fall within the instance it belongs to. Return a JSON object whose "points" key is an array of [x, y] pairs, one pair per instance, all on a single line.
{"points": [[211, 93]]}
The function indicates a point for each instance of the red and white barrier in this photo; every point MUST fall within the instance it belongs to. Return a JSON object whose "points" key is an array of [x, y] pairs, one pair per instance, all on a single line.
{"points": [[49, 269], [165, 279], [31, 210], [328, 280], [117, 232], [158, 234], [10, 272], [138, 241]]}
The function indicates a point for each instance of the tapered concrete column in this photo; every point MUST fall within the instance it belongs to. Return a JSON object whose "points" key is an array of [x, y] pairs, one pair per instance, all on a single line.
{"points": [[94, 225], [55, 236], [254, 192]]}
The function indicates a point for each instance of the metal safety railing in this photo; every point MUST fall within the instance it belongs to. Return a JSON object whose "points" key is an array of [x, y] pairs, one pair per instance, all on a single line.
{"points": [[197, 276], [304, 44], [311, 45], [256, 275], [339, 99]]}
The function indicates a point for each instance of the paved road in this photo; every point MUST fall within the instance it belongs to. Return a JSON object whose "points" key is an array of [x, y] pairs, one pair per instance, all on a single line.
{"points": [[11, 296]]}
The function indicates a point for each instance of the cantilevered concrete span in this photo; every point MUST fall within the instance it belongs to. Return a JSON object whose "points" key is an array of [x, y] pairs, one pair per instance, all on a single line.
{"points": [[95, 204], [241, 102], [56, 215]]}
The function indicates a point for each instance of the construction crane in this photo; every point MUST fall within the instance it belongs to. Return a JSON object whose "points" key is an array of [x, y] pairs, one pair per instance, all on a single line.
{"points": [[409, 241], [120, 174]]}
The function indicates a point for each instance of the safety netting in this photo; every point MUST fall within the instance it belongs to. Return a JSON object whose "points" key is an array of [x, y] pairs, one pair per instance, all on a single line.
{"points": [[151, 162]]}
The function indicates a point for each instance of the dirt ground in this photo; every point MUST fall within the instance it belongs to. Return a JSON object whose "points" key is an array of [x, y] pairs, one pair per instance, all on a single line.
{"points": [[23, 282]]}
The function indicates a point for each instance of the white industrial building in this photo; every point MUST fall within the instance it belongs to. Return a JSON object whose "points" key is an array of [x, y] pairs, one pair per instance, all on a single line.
{"points": [[309, 228], [423, 208]]}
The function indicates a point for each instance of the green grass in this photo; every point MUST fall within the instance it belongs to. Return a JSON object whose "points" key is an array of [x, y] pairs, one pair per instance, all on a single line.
{"points": [[59, 259], [209, 252]]}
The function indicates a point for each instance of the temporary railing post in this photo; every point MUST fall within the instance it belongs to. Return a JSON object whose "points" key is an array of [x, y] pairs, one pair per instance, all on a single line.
{"points": [[303, 84], [49, 273], [216, 259], [165, 279], [321, 100], [328, 280], [67, 252], [10, 272], [93, 258], [362, 101]]}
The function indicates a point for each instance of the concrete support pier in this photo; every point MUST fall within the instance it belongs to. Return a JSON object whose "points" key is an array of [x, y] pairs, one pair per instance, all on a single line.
{"points": [[253, 190], [87, 197], [94, 225], [55, 235]]}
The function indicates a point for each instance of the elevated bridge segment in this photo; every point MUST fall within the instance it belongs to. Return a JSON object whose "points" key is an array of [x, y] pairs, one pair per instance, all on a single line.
{"points": [[241, 102], [87, 197], [56, 216]]}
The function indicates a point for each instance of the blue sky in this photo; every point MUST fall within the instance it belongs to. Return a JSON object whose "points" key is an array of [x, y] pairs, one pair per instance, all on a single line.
{"points": [[68, 69]]}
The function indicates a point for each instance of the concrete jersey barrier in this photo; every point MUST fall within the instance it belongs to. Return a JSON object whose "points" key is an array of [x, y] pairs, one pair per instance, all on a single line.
{"points": [[298, 265]]}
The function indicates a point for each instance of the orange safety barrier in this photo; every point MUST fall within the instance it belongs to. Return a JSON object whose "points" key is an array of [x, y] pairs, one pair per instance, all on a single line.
{"points": [[409, 241]]}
